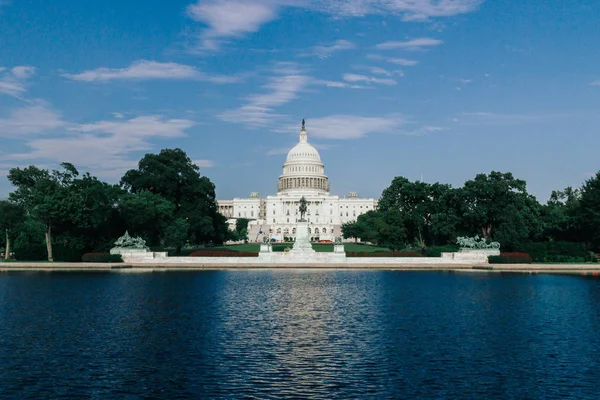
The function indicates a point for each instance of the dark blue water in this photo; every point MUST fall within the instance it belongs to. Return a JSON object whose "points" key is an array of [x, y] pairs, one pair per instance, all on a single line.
{"points": [[298, 334]]}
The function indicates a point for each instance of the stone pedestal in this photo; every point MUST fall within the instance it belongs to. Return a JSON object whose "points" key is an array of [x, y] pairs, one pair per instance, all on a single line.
{"points": [[302, 244], [266, 248]]}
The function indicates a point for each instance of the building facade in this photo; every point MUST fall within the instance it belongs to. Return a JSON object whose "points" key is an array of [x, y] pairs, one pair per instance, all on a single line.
{"points": [[303, 176]]}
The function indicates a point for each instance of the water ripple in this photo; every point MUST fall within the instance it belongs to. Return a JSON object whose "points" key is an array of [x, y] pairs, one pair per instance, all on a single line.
{"points": [[298, 334]]}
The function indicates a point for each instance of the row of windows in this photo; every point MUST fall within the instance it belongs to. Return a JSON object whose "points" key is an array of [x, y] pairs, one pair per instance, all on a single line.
{"points": [[286, 231], [304, 169]]}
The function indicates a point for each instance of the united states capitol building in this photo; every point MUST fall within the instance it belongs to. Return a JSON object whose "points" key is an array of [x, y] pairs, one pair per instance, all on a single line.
{"points": [[277, 216]]}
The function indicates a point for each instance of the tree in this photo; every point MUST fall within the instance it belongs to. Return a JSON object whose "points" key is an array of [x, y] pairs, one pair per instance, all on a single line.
{"points": [[384, 229], [241, 228], [149, 215], [92, 215], [497, 206], [351, 230], [172, 175], [11, 216], [42, 193], [176, 233], [590, 210], [561, 216], [420, 204]]}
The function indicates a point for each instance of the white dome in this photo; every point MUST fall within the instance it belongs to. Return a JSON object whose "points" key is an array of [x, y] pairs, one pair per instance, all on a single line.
{"points": [[303, 170], [301, 152]]}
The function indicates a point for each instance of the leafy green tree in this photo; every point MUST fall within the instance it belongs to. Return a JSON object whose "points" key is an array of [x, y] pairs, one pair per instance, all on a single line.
{"points": [[590, 210], [384, 229], [176, 233], [92, 215], [561, 216], [241, 228], [11, 216], [351, 230], [149, 215], [42, 194], [497, 206], [419, 205], [172, 175]]}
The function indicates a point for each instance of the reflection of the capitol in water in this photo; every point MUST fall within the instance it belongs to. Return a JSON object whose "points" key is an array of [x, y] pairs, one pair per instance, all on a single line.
{"points": [[304, 328]]}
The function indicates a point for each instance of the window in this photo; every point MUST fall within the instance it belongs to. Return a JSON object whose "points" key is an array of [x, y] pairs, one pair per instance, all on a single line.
{"points": [[273, 220], [252, 213], [273, 211], [288, 220]]}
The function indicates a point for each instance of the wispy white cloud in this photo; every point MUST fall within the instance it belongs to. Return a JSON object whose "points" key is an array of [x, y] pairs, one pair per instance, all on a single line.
{"points": [[595, 83], [326, 51], [103, 147], [259, 109], [148, 70], [414, 44], [204, 163], [350, 126], [381, 71], [409, 10], [337, 84], [33, 119], [368, 79], [497, 119], [403, 61], [277, 151], [230, 18], [13, 82], [226, 19]]}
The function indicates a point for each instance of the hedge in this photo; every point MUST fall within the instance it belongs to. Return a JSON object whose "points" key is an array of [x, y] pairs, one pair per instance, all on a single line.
{"points": [[222, 253], [383, 254], [511, 258], [66, 254], [101, 258], [557, 252], [31, 252], [436, 251]]}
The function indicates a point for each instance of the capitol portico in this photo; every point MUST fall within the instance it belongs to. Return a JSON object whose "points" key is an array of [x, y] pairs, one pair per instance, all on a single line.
{"points": [[303, 176]]}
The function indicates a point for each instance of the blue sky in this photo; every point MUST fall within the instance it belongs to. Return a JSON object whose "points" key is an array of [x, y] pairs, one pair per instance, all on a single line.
{"points": [[442, 89]]}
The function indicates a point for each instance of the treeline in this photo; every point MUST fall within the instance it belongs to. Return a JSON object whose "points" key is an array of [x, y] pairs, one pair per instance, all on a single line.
{"points": [[496, 206], [165, 201]]}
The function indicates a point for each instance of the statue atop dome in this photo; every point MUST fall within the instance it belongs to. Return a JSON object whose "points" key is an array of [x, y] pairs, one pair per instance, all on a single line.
{"points": [[303, 123]]}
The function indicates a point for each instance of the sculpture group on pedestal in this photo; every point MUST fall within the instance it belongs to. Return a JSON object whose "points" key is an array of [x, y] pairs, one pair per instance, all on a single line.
{"points": [[131, 243], [476, 243]]}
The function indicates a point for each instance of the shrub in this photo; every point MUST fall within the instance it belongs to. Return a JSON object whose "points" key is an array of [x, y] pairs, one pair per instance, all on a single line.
{"points": [[556, 251], [96, 257], [31, 252], [66, 254], [383, 254], [569, 249], [222, 253], [436, 251], [537, 251], [115, 258], [280, 248], [511, 258]]}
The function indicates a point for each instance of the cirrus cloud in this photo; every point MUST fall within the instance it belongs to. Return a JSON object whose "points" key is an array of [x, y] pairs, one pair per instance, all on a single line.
{"points": [[148, 70], [226, 19], [414, 44]]}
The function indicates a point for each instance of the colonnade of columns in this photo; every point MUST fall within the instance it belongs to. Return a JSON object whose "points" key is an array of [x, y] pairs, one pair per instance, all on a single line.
{"points": [[304, 182]]}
